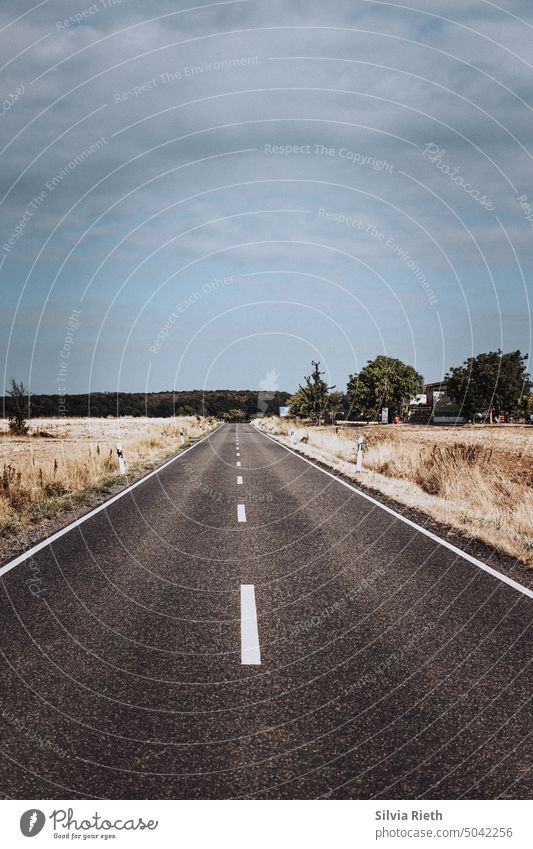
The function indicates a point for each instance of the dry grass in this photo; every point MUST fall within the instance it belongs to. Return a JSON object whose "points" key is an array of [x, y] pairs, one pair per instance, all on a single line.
{"points": [[64, 463], [478, 481]]}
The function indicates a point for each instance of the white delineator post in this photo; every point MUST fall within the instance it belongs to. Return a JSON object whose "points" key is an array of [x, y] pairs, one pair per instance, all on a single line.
{"points": [[121, 463], [182, 438], [293, 437], [360, 446]]}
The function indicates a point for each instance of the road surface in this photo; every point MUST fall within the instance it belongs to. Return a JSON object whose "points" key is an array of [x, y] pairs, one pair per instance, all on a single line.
{"points": [[242, 625]]}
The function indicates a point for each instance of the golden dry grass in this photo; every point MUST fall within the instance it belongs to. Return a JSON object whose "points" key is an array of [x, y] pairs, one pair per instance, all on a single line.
{"points": [[478, 481], [75, 462]]}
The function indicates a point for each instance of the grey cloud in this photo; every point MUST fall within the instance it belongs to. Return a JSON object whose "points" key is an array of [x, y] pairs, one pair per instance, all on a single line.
{"points": [[412, 81]]}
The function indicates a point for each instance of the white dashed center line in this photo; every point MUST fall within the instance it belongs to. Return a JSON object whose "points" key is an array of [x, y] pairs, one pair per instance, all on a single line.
{"points": [[250, 651], [239, 479], [238, 462], [241, 513]]}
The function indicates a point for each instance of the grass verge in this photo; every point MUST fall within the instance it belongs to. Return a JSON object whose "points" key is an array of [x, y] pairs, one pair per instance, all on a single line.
{"points": [[67, 466], [475, 481]]}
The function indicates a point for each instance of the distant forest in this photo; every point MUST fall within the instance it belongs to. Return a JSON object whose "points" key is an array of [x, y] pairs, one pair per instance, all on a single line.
{"points": [[218, 403]]}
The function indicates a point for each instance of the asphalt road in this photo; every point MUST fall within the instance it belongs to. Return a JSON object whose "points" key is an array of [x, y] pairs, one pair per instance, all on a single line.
{"points": [[377, 663]]}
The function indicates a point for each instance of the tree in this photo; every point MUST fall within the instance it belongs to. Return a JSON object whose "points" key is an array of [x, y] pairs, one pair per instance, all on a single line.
{"points": [[383, 382], [527, 404], [311, 400], [335, 404], [490, 383], [20, 407]]}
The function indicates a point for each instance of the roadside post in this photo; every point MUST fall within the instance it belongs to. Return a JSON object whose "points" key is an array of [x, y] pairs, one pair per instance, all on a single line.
{"points": [[360, 447], [293, 436], [121, 463], [182, 437]]}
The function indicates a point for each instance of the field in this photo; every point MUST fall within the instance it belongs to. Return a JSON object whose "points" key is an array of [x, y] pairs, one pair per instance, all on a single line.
{"points": [[70, 464], [476, 480]]}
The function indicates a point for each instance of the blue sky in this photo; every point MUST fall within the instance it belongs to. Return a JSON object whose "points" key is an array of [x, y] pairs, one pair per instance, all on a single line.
{"points": [[237, 189]]}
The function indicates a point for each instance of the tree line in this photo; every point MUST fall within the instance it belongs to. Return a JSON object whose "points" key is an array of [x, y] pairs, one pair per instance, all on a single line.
{"points": [[19, 406], [487, 385]]}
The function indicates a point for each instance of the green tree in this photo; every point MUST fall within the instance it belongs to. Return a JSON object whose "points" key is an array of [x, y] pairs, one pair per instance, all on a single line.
{"points": [[20, 407], [490, 383], [335, 404], [312, 399], [527, 404], [383, 382]]}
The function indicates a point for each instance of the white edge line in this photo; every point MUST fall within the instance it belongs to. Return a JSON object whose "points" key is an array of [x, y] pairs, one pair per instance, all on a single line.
{"points": [[250, 650], [77, 522], [479, 563], [241, 513]]}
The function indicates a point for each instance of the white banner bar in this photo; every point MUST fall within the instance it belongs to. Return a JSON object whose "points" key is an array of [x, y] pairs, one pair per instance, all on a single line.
{"points": [[283, 824]]}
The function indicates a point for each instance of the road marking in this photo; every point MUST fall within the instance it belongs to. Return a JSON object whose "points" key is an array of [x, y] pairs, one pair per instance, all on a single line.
{"points": [[241, 513], [45, 542], [250, 651], [238, 462], [238, 455], [479, 563], [239, 479]]}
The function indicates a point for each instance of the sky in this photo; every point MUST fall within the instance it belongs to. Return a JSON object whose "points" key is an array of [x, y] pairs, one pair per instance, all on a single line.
{"points": [[212, 195]]}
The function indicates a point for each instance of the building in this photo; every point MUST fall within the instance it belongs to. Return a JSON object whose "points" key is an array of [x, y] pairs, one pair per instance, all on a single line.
{"points": [[438, 407], [435, 391]]}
